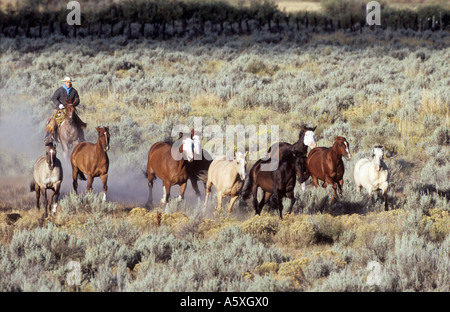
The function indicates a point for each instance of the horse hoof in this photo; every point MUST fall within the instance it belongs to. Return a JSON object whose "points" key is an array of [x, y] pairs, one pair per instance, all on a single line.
{"points": [[179, 198]]}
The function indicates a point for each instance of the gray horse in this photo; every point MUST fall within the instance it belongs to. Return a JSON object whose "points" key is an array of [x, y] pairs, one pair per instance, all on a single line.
{"points": [[47, 174]]}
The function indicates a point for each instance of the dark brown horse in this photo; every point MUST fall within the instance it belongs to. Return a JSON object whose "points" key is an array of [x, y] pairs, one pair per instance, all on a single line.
{"points": [[306, 138], [168, 161], [325, 163], [68, 132], [91, 159], [200, 165], [278, 183], [47, 174]]}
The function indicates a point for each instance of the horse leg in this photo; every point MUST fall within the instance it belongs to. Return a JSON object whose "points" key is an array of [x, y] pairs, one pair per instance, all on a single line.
{"points": [[276, 197], [166, 190], [340, 184], [151, 178], [315, 181], [384, 187], [255, 199], [51, 199], [75, 179], [182, 190], [55, 197], [90, 181], [291, 196], [104, 179], [264, 200], [233, 199], [207, 191], [44, 194], [219, 201], [38, 195], [328, 180]]}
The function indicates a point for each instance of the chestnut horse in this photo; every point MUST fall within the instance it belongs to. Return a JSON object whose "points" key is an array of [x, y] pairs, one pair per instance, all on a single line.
{"points": [[278, 183], [168, 161], [325, 163], [92, 159]]}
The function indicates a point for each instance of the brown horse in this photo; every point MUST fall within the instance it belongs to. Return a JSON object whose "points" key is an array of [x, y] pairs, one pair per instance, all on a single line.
{"points": [[47, 174], [68, 132], [168, 161], [325, 163], [278, 183], [92, 159]]}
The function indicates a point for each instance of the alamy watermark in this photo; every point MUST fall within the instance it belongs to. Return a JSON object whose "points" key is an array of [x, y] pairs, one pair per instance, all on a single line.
{"points": [[74, 16], [234, 139], [373, 13], [73, 277], [374, 276]]}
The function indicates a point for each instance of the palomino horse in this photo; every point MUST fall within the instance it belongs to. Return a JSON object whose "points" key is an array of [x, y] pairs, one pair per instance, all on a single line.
{"points": [[228, 177], [306, 138], [373, 174], [325, 163], [200, 164], [92, 159], [47, 174], [162, 164], [278, 183], [68, 132]]}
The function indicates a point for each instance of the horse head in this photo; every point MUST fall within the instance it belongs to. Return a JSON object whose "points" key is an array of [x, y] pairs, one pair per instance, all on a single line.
{"points": [[187, 148], [70, 109], [307, 136], [103, 138], [342, 147], [50, 153], [377, 156], [197, 146], [241, 163]]}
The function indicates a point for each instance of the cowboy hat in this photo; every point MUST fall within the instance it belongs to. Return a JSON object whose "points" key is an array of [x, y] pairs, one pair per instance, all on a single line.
{"points": [[67, 79]]}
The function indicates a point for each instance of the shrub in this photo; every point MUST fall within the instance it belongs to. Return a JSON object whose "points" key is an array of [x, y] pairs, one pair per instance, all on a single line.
{"points": [[416, 265], [85, 203], [35, 260]]}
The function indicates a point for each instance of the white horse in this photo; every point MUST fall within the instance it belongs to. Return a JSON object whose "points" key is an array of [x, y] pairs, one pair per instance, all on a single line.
{"points": [[228, 177], [373, 174]]}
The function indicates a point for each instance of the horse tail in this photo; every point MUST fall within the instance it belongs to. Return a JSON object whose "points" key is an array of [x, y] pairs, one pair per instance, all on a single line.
{"points": [[81, 176], [247, 188], [32, 186], [202, 175]]}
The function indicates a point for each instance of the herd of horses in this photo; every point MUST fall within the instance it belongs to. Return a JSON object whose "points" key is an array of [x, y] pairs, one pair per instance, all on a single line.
{"points": [[229, 177]]}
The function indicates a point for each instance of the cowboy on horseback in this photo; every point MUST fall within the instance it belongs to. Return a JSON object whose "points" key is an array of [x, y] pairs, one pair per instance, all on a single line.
{"points": [[63, 95]]}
